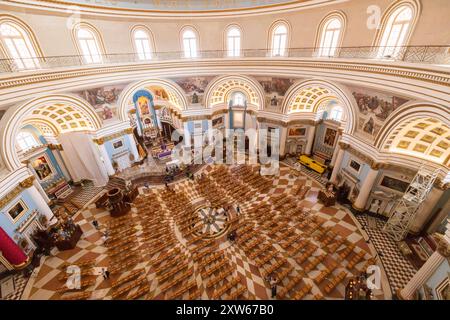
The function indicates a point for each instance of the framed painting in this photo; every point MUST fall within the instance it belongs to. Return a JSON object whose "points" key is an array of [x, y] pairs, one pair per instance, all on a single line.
{"points": [[394, 184], [42, 167], [17, 210], [329, 137], [118, 144], [297, 132]]}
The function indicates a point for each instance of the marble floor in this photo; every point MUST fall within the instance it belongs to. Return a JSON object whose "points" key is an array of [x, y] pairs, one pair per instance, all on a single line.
{"points": [[46, 283]]}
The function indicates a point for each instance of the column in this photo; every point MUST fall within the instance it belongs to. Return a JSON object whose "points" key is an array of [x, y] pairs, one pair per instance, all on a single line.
{"points": [[283, 136], [366, 188], [134, 151], [41, 190], [427, 270], [337, 165], [336, 148], [187, 135], [310, 140], [425, 211], [40, 203], [210, 132], [105, 158]]}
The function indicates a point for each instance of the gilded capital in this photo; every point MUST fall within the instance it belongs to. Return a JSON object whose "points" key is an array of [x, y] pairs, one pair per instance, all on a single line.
{"points": [[443, 247], [344, 146], [99, 141], [128, 131], [28, 182]]}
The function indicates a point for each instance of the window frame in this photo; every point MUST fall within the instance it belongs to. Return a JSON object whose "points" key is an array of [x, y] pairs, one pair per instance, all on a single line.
{"points": [[193, 52], [98, 41], [320, 50], [29, 40], [147, 55], [415, 7], [233, 52], [279, 51]]}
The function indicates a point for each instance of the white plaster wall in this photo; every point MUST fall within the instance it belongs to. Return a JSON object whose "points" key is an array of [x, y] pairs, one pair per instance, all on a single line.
{"points": [[54, 36]]}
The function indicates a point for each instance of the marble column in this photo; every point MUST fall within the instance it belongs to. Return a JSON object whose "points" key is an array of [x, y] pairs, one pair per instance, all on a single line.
{"points": [[310, 140], [337, 165], [425, 211], [134, 151], [105, 159], [41, 190], [335, 154], [366, 188], [409, 292], [283, 136], [40, 203], [187, 135]]}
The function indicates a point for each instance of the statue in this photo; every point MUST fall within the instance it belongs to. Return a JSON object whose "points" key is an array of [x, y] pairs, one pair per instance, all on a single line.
{"points": [[195, 98]]}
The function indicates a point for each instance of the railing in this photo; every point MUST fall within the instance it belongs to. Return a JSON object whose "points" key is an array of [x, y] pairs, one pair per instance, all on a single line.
{"points": [[439, 55]]}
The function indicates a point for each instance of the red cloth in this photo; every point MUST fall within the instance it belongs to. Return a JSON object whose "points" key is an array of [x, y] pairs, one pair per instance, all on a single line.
{"points": [[10, 250]]}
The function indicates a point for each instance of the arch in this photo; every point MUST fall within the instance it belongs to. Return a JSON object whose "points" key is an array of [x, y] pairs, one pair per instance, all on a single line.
{"points": [[274, 51], [323, 27], [28, 36], [189, 41], [13, 119], [176, 95], [413, 5], [408, 111], [300, 91], [233, 46], [220, 88], [139, 48], [96, 35]]}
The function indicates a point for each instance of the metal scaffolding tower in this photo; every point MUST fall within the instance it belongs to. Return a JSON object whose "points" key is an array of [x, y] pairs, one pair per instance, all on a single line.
{"points": [[400, 221]]}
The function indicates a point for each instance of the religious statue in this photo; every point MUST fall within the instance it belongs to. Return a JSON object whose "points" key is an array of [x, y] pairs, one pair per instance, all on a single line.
{"points": [[194, 98]]}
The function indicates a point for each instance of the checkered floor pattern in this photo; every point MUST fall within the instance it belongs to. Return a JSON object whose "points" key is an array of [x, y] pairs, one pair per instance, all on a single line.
{"points": [[46, 283], [19, 285], [398, 269]]}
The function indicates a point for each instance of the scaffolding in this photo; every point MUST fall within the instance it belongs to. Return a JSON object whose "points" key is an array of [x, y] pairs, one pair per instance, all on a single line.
{"points": [[400, 221]]}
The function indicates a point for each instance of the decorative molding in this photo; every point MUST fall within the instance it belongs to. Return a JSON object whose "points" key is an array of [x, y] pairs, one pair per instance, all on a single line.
{"points": [[196, 118], [425, 75], [55, 147], [24, 184], [102, 140]]}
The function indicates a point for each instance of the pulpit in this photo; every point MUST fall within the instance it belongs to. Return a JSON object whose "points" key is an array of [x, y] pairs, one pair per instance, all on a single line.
{"points": [[70, 241], [117, 203]]}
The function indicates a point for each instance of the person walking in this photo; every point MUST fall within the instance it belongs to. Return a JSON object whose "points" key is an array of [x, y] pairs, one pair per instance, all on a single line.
{"points": [[105, 273], [95, 224]]}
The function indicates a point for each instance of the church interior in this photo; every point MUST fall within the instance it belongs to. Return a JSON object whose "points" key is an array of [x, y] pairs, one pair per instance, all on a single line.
{"points": [[233, 150]]}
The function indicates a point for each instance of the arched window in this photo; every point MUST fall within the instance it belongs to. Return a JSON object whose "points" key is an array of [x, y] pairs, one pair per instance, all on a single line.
{"points": [[395, 33], [330, 36], [18, 45], [189, 43], [234, 42], [279, 39], [336, 113], [238, 99], [26, 140], [89, 45], [143, 44]]}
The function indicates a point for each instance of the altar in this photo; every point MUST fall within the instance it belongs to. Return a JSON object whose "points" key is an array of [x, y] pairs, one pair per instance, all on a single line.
{"points": [[162, 151]]}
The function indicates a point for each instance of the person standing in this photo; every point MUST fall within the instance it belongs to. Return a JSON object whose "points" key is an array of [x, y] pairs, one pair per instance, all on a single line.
{"points": [[95, 224], [273, 286]]}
